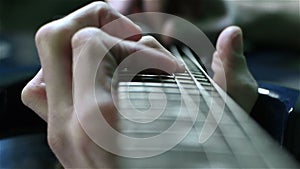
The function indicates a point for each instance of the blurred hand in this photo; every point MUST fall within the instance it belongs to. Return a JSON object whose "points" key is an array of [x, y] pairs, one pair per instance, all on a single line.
{"points": [[83, 33], [229, 56], [51, 92]]}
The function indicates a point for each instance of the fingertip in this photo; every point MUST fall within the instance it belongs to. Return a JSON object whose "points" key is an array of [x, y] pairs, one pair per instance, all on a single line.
{"points": [[232, 30], [230, 41], [227, 35]]}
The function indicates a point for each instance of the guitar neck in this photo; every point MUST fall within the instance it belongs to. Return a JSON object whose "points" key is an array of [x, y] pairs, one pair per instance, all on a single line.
{"points": [[203, 125]]}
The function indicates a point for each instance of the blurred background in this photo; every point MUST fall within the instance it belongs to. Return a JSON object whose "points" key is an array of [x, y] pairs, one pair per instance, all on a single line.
{"points": [[272, 47]]}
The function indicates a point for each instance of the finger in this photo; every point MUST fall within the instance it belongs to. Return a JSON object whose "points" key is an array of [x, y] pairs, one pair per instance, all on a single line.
{"points": [[230, 48], [34, 95], [229, 57], [91, 68], [101, 15], [54, 46], [89, 38], [149, 48], [151, 42], [92, 75]]}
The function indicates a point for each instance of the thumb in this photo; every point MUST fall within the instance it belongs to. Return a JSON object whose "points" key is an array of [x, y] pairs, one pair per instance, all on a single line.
{"points": [[230, 48], [230, 68]]}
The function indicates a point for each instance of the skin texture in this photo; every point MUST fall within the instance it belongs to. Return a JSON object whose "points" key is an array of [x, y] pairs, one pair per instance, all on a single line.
{"points": [[59, 44]]}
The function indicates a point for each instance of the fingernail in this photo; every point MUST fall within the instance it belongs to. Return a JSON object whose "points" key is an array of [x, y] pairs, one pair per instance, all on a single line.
{"points": [[237, 42]]}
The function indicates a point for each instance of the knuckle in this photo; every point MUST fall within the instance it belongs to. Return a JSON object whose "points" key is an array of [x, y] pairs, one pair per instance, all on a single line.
{"points": [[104, 10], [100, 6], [60, 29], [53, 31], [42, 33], [84, 36]]}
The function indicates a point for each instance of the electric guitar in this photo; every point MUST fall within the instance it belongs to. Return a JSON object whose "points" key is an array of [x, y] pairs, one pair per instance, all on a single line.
{"points": [[184, 120]]}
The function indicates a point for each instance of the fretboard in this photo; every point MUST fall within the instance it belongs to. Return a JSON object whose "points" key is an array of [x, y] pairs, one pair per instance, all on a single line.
{"points": [[222, 134]]}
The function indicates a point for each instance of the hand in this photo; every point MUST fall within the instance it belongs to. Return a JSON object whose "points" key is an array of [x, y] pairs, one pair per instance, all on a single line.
{"points": [[241, 85], [229, 57], [51, 92]]}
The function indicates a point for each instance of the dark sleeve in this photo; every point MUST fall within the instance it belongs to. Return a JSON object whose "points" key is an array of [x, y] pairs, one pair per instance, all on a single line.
{"points": [[271, 115]]}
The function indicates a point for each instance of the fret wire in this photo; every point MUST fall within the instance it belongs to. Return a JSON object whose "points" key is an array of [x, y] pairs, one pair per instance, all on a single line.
{"points": [[135, 96], [179, 80], [147, 75], [201, 79], [147, 84], [187, 81], [191, 56], [143, 79], [199, 76], [240, 127], [198, 73], [200, 85], [238, 124], [201, 92], [182, 74], [190, 83], [157, 86], [168, 91], [183, 77], [205, 83], [234, 151], [228, 145], [175, 50]]}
